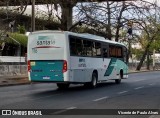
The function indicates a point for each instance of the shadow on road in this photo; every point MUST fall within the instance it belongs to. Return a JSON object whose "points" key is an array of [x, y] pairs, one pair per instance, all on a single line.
{"points": [[78, 89]]}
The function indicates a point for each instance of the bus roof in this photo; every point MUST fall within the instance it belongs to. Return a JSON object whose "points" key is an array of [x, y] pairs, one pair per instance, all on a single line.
{"points": [[84, 35]]}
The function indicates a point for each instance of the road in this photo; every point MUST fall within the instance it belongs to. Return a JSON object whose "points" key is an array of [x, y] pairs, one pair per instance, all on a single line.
{"points": [[139, 91]]}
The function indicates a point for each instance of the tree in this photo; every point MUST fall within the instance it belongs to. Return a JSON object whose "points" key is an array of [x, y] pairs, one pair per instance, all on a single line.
{"points": [[61, 10], [10, 19], [151, 27], [112, 18], [21, 29]]}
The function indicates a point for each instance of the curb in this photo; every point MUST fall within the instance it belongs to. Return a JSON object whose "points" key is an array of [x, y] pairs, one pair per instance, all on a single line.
{"points": [[7, 85], [142, 71]]}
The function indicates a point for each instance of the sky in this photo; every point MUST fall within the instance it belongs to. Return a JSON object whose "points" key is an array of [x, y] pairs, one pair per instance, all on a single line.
{"points": [[153, 1], [28, 11]]}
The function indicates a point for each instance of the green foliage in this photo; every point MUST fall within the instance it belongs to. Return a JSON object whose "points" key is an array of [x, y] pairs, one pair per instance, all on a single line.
{"points": [[156, 44], [21, 38], [137, 52], [21, 29]]}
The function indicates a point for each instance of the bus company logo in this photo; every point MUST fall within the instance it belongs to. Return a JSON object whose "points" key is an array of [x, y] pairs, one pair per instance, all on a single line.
{"points": [[6, 112], [81, 60], [82, 63]]}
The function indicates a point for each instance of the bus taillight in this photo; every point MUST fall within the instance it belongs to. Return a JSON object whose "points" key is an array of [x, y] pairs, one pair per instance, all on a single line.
{"points": [[29, 66], [64, 66]]}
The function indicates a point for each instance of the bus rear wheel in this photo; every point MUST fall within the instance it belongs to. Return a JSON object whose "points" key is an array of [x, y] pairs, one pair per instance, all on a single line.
{"points": [[62, 85], [93, 83]]}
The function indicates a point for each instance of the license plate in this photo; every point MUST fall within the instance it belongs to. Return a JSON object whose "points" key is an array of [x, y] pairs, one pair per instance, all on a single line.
{"points": [[46, 77]]}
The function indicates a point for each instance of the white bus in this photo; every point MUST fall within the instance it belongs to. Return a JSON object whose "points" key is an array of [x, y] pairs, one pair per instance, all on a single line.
{"points": [[69, 58]]}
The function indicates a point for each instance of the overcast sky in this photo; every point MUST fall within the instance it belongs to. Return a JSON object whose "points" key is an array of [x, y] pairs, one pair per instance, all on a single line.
{"points": [[41, 7]]}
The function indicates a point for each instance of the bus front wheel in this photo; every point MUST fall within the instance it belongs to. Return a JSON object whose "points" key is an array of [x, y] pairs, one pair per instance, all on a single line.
{"points": [[62, 85], [118, 81]]}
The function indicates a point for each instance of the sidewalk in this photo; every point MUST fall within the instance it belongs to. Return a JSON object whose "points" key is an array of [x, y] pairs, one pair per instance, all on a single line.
{"points": [[13, 80], [23, 79]]}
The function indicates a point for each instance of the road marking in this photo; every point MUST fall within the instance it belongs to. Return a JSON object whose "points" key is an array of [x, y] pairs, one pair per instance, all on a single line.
{"points": [[61, 111], [100, 99], [139, 87], [71, 108], [139, 80], [151, 84], [122, 92], [46, 96]]}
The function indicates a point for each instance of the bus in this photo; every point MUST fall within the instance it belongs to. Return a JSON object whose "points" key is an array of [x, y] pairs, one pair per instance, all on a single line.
{"points": [[68, 58]]}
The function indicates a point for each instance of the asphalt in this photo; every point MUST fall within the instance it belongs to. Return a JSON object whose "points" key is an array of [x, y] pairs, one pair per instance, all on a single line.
{"points": [[23, 79], [139, 91]]}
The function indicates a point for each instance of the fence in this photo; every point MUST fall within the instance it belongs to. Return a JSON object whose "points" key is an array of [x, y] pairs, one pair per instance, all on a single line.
{"points": [[8, 70], [133, 66], [10, 65]]}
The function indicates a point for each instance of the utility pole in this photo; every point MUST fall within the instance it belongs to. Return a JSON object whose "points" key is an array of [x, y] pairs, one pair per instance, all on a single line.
{"points": [[33, 16], [130, 24]]}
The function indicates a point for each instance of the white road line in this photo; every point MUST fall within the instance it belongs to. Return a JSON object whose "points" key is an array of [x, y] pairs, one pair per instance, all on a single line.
{"points": [[122, 92], [139, 87], [71, 108], [46, 96], [61, 111], [139, 80], [151, 84], [100, 99]]}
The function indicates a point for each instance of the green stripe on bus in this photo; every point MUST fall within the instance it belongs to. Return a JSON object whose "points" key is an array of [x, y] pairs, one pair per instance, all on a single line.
{"points": [[110, 67]]}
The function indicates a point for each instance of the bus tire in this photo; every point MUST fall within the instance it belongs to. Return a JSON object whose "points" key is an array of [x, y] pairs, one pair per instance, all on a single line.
{"points": [[118, 81], [62, 85], [93, 82]]}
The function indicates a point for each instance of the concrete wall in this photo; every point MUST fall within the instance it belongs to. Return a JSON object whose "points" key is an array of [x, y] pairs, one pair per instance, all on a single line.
{"points": [[9, 70], [12, 59]]}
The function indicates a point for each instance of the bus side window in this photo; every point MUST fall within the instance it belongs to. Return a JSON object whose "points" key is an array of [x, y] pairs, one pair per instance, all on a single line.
{"points": [[125, 54], [105, 53], [98, 49], [119, 52], [79, 47], [73, 50], [112, 51], [94, 49]]}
